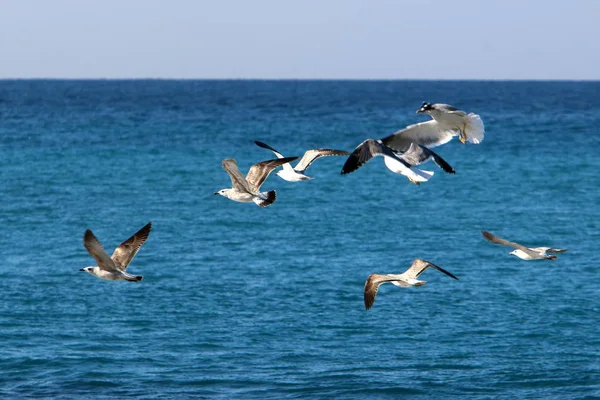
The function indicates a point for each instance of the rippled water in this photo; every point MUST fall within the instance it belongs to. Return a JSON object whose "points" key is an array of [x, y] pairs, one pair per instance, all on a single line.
{"points": [[243, 302]]}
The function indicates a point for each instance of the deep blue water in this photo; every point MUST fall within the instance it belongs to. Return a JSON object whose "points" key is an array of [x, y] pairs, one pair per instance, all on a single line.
{"points": [[243, 302]]}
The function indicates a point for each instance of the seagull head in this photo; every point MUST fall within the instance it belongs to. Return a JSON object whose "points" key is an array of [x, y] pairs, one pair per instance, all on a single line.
{"points": [[514, 253], [425, 108], [224, 192], [87, 269]]}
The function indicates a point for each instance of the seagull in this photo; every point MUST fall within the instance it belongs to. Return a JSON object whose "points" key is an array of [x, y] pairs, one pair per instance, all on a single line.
{"points": [[246, 189], [400, 164], [524, 253], [113, 268], [297, 173], [447, 122], [406, 279]]}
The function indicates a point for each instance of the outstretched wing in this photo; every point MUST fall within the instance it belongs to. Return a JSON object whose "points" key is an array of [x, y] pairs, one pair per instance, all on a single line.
{"points": [[285, 166], [418, 154], [426, 134], [125, 252], [93, 246], [418, 266], [259, 172], [556, 250], [497, 240], [311, 155], [365, 151], [238, 182], [372, 286]]}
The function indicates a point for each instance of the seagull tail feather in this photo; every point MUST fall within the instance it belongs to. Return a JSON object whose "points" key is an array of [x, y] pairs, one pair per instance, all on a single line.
{"points": [[265, 199], [475, 128], [133, 278]]}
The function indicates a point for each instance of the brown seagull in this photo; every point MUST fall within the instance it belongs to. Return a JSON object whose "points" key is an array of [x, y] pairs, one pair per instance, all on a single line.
{"points": [[113, 268], [406, 279]]}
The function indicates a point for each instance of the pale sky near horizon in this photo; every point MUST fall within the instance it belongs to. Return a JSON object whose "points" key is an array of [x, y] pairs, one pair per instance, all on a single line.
{"points": [[308, 39]]}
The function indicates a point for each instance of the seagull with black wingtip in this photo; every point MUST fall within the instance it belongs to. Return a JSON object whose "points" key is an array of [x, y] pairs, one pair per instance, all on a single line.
{"points": [[247, 189], [406, 279], [114, 268]]}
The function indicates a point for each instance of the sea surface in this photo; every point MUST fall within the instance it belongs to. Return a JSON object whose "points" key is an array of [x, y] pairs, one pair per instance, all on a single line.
{"points": [[244, 302]]}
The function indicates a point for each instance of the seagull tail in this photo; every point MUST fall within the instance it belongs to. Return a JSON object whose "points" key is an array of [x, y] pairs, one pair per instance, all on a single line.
{"points": [[132, 278], [475, 128], [265, 199]]}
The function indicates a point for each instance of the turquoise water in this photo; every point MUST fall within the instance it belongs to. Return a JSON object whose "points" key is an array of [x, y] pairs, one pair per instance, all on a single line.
{"points": [[243, 302]]}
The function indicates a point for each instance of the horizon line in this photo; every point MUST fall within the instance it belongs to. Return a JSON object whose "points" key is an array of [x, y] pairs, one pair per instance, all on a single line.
{"points": [[302, 79]]}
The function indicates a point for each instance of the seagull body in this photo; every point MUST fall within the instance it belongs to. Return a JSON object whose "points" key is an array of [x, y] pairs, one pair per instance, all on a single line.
{"points": [[406, 279], [297, 173], [400, 164], [113, 268], [524, 253], [447, 122], [246, 190]]}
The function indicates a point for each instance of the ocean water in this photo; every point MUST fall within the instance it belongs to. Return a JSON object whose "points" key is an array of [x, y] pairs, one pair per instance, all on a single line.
{"points": [[243, 302]]}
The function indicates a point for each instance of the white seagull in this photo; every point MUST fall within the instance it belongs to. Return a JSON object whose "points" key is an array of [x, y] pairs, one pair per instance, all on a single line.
{"points": [[113, 268], [297, 173], [400, 164], [524, 253], [447, 122], [246, 189], [406, 279]]}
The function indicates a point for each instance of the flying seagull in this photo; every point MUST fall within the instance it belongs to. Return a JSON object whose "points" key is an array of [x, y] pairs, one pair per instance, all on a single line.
{"points": [[246, 189], [447, 122], [113, 268], [406, 279], [400, 164], [297, 173], [524, 253]]}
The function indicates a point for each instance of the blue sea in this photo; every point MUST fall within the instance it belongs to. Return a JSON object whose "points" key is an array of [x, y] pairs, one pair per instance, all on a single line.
{"points": [[242, 302]]}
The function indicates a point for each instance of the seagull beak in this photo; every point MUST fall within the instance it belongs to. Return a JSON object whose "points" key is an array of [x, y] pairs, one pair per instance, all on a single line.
{"points": [[216, 193], [82, 269]]}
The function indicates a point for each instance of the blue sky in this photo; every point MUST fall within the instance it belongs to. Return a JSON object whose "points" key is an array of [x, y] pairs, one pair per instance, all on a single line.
{"points": [[308, 39]]}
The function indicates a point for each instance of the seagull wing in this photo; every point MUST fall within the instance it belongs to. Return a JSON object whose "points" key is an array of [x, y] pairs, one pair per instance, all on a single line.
{"points": [[365, 151], [556, 250], [372, 286], [93, 246], [495, 239], [123, 254], [418, 154], [311, 155], [426, 133], [450, 109], [259, 172], [238, 182], [286, 166], [418, 266]]}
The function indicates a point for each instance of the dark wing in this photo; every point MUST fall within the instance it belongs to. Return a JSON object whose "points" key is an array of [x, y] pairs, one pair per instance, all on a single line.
{"points": [[123, 254], [266, 146], [259, 172], [238, 182], [418, 266], [93, 246], [365, 151], [495, 239], [311, 155], [418, 154], [556, 250], [426, 134], [372, 286]]}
